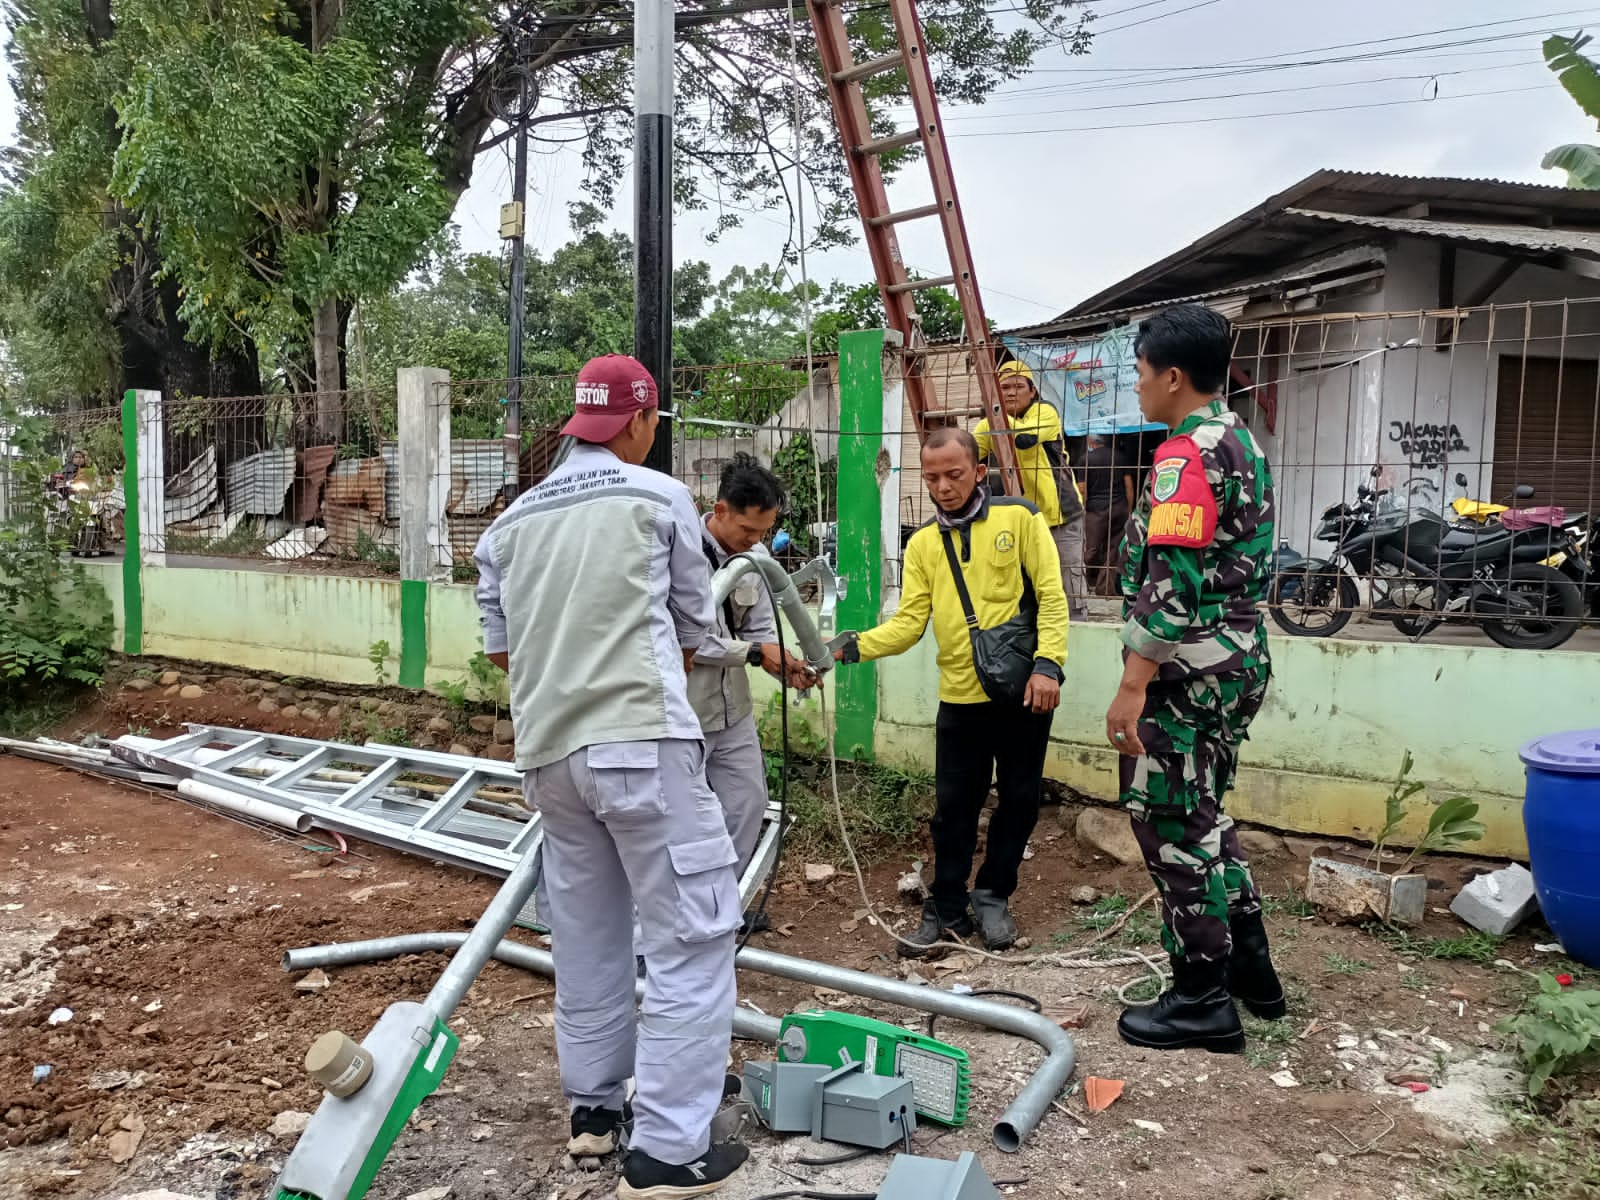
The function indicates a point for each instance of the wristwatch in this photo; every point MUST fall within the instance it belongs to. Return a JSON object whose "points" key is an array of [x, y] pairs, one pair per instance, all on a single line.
{"points": [[753, 656]]}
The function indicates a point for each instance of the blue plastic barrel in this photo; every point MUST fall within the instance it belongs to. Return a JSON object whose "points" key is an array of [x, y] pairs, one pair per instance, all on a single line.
{"points": [[1561, 813]]}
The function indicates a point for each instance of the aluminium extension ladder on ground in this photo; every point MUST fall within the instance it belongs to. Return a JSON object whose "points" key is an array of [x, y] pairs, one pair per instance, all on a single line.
{"points": [[843, 76], [464, 811]]}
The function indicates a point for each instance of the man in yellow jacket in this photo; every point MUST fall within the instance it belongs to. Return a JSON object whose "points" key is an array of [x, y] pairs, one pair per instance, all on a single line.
{"points": [[1034, 427], [1005, 552]]}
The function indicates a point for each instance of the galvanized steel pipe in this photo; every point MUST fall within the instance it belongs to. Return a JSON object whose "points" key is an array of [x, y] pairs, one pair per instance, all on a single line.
{"points": [[1020, 1118]]}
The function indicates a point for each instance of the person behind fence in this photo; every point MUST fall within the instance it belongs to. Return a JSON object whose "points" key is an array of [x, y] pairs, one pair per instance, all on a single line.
{"points": [[745, 635], [595, 595], [986, 572], [1195, 671], [1035, 430], [1108, 486]]}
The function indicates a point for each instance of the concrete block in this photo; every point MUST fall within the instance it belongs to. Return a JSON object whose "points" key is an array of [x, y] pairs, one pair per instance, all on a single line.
{"points": [[1497, 902], [1348, 891]]}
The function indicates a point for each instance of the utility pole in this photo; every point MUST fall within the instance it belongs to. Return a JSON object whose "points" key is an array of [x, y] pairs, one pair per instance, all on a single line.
{"points": [[513, 229], [652, 207]]}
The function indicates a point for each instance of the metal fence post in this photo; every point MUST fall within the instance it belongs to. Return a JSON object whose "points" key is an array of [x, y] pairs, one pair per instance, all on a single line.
{"points": [[150, 434], [860, 516], [423, 403]]}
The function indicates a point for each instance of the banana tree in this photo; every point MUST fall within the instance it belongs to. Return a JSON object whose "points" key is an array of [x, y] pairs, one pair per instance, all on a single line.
{"points": [[1580, 75]]}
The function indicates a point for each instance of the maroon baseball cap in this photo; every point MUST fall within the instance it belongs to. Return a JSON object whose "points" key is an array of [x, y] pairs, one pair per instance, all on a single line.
{"points": [[610, 390]]}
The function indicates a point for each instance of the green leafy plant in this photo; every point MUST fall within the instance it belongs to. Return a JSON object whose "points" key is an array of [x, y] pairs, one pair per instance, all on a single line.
{"points": [[1452, 824], [55, 619], [485, 676], [379, 654], [1580, 75], [1557, 1032], [455, 694]]}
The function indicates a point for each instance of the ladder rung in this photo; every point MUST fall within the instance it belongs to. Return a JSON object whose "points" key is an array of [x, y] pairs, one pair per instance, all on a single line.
{"points": [[866, 70], [953, 412], [920, 285], [453, 801], [905, 214], [893, 142]]}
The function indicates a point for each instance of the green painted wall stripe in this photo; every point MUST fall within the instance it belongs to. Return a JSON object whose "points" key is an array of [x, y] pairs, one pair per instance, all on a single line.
{"points": [[132, 560], [860, 532], [413, 632]]}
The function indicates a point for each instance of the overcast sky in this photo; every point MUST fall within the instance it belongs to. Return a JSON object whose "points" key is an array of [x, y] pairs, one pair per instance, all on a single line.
{"points": [[1095, 166]]}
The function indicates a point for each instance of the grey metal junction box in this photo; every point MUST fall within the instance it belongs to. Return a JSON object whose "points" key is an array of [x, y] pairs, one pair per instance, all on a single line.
{"points": [[858, 1109], [783, 1093]]}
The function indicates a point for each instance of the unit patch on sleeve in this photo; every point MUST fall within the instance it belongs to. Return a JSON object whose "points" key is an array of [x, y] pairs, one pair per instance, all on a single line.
{"points": [[1184, 510]]}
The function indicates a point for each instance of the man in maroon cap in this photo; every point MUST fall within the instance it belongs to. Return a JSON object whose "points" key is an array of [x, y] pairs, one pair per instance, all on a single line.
{"points": [[595, 594]]}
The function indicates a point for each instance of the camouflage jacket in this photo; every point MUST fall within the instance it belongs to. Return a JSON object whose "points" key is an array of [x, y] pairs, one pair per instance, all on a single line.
{"points": [[1200, 550]]}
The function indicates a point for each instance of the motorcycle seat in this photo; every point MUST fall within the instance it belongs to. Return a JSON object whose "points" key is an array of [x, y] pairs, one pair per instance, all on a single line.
{"points": [[1461, 537]]}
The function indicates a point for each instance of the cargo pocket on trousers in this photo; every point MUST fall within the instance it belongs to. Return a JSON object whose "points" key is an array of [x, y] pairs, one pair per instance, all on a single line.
{"points": [[708, 889], [627, 780]]}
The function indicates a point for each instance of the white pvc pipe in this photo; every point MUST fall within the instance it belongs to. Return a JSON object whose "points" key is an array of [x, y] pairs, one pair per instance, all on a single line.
{"points": [[249, 806]]}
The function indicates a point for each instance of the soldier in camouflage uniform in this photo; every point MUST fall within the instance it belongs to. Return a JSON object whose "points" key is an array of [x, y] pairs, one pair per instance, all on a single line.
{"points": [[1195, 672]]}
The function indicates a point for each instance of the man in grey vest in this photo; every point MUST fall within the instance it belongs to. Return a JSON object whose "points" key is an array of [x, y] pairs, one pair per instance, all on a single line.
{"points": [[595, 595], [745, 635]]}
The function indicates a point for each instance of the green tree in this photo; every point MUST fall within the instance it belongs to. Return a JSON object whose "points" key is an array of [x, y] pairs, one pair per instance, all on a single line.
{"points": [[1580, 75], [227, 179]]}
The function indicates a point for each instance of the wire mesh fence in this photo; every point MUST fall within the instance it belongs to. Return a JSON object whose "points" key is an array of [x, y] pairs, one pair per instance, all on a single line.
{"points": [[1429, 467], [293, 477]]}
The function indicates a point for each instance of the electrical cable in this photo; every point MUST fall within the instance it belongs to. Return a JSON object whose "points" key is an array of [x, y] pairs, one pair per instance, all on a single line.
{"points": [[1030, 1001], [809, 1194], [835, 1159]]}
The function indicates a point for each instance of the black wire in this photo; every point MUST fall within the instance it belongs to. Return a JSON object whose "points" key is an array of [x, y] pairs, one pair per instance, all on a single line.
{"points": [[837, 1159], [1009, 995], [808, 1194]]}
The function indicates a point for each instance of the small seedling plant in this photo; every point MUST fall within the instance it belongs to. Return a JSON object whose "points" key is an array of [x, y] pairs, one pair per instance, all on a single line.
{"points": [[1452, 824]]}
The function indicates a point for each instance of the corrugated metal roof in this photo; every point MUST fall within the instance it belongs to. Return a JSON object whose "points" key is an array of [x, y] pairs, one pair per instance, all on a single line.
{"points": [[1267, 233], [192, 490], [1521, 237], [259, 483]]}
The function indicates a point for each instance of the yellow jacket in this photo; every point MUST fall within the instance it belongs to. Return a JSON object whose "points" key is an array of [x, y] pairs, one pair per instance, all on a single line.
{"points": [[1007, 538], [1041, 460]]}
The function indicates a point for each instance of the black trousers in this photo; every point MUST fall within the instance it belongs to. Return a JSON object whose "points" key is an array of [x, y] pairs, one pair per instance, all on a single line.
{"points": [[975, 744]]}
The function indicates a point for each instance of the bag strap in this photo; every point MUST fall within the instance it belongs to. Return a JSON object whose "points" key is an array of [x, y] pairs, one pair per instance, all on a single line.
{"points": [[961, 581]]}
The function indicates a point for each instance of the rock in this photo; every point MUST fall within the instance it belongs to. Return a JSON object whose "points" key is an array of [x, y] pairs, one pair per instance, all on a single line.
{"points": [[168, 678], [159, 1194], [285, 695], [1498, 902], [369, 704], [1303, 847], [820, 872], [1285, 1079], [191, 691], [290, 711], [504, 733], [315, 980], [1084, 894], [391, 708], [311, 712], [325, 697], [433, 1193], [267, 705], [440, 725], [481, 723], [172, 691], [335, 713], [1108, 831], [289, 1123], [121, 1145], [500, 753], [251, 686], [463, 751], [1260, 843], [912, 888], [481, 1133], [301, 694], [1328, 1160], [1155, 1127], [138, 685]]}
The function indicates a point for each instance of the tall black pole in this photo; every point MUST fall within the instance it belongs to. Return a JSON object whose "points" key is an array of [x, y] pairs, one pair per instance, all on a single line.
{"points": [[652, 207], [519, 191]]}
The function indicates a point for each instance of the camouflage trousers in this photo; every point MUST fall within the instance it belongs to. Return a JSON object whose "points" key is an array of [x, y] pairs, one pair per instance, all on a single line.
{"points": [[1191, 730]]}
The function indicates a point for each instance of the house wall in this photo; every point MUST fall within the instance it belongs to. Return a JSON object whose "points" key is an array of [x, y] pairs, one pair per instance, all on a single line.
{"points": [[1338, 717], [1420, 414]]}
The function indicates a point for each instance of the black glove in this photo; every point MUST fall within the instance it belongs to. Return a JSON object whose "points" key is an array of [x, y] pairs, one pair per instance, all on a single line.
{"points": [[851, 649]]}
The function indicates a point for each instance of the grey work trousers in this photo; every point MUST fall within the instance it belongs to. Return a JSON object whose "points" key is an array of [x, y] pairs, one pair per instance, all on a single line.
{"points": [[736, 769], [626, 822], [1069, 546]]}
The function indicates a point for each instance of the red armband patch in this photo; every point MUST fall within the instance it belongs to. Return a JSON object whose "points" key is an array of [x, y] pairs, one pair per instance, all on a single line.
{"points": [[1183, 510]]}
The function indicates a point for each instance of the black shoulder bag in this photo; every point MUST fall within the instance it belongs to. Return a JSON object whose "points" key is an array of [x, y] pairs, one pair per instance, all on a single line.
{"points": [[1003, 656]]}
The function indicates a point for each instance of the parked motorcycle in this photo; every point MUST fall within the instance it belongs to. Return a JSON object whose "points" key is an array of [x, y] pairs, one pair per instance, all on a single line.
{"points": [[1576, 557], [1424, 570]]}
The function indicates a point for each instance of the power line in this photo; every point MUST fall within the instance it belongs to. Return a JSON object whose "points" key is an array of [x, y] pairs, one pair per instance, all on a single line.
{"points": [[1157, 17], [1292, 112]]}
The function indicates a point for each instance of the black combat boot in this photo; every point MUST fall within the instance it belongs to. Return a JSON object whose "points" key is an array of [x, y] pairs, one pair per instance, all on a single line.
{"points": [[994, 920], [1251, 978], [931, 931], [1196, 1011]]}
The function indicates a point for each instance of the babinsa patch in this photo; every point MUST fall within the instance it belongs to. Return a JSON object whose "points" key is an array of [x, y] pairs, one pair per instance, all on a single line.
{"points": [[1165, 476]]}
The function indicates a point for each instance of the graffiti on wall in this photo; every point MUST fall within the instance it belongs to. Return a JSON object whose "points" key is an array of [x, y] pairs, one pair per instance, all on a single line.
{"points": [[1427, 447]]}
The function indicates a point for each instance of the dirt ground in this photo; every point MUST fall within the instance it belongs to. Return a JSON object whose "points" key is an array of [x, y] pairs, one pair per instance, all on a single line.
{"points": [[161, 927]]}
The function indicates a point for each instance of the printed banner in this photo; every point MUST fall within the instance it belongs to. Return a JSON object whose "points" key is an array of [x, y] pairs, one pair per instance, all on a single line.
{"points": [[1089, 380]]}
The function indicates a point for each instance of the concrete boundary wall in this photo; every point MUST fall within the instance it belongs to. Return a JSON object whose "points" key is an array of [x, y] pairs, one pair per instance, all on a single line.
{"points": [[1338, 717]]}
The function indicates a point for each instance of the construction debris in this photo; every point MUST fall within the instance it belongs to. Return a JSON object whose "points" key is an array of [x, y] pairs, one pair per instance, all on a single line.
{"points": [[1497, 902]]}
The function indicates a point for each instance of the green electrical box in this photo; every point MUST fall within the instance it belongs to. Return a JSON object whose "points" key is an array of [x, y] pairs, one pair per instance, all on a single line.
{"points": [[941, 1079]]}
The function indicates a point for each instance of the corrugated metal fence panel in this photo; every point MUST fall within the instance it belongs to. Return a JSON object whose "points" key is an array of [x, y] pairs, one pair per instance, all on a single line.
{"points": [[477, 474], [258, 484], [192, 490]]}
